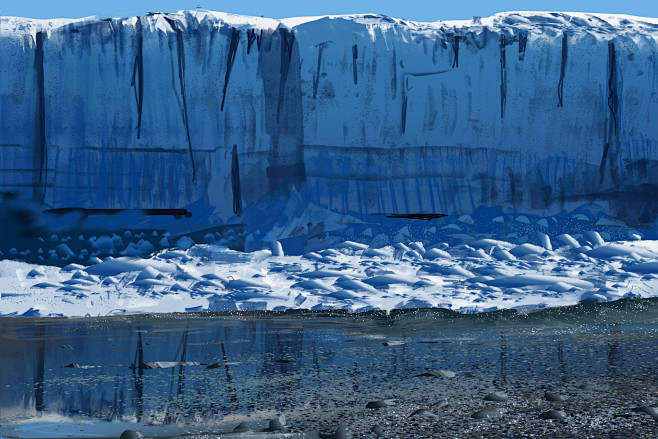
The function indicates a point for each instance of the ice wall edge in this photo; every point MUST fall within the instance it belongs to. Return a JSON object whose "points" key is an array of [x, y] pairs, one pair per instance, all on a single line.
{"points": [[258, 121]]}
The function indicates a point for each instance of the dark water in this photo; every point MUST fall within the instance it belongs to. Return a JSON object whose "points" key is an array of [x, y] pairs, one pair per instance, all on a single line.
{"points": [[320, 369]]}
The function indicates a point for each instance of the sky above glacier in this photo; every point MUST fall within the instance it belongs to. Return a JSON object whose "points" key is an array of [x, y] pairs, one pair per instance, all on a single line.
{"points": [[418, 10]]}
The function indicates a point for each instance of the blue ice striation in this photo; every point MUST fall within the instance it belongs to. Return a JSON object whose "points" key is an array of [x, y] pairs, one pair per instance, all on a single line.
{"points": [[304, 125]]}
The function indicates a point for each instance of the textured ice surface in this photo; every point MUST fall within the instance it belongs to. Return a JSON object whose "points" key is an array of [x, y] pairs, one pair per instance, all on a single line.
{"points": [[303, 125], [348, 276]]}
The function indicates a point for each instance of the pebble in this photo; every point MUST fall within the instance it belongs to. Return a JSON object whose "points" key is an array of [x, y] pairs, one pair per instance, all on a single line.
{"points": [[242, 427], [651, 411], [380, 404], [553, 414], [438, 373], [377, 429], [555, 397], [496, 397], [491, 413], [423, 413]]}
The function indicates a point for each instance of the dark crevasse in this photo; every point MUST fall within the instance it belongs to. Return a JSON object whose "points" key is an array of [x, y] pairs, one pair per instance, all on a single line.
{"points": [[355, 55], [40, 175], [279, 70], [252, 37], [455, 51], [611, 127], [235, 181], [180, 51], [406, 88], [503, 76], [405, 102], [138, 74], [563, 67], [613, 98], [523, 41], [394, 80], [287, 42], [230, 59], [316, 77]]}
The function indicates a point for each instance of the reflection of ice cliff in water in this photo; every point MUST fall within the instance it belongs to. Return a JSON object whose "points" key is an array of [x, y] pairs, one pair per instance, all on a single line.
{"points": [[126, 376], [259, 121], [171, 371]]}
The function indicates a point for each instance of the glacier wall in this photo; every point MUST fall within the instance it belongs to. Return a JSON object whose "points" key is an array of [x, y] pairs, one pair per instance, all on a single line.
{"points": [[287, 124]]}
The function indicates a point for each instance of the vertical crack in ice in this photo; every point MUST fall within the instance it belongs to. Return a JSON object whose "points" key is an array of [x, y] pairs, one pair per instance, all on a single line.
{"points": [[394, 81], [233, 48], [404, 106], [138, 72], [563, 67], [114, 36], [235, 181], [455, 51], [180, 50], [316, 77], [611, 127], [406, 88], [251, 37], [40, 157], [287, 42], [613, 101], [523, 41], [503, 76], [355, 55]]}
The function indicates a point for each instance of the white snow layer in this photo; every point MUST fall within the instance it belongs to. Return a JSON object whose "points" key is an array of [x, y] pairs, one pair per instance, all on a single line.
{"points": [[474, 277]]}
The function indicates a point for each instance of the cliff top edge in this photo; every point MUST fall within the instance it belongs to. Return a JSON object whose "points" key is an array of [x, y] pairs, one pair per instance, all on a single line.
{"points": [[504, 22]]}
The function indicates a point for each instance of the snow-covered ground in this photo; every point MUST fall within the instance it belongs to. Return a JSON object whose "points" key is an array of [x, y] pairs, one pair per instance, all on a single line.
{"points": [[472, 276]]}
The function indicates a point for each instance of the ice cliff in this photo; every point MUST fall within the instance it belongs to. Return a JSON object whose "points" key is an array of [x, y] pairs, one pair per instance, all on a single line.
{"points": [[301, 124]]}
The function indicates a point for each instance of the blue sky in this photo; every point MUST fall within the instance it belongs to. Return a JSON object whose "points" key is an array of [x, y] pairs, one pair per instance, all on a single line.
{"points": [[419, 10]]}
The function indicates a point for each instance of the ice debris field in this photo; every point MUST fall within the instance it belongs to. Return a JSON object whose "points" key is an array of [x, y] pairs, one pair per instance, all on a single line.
{"points": [[465, 273]]}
